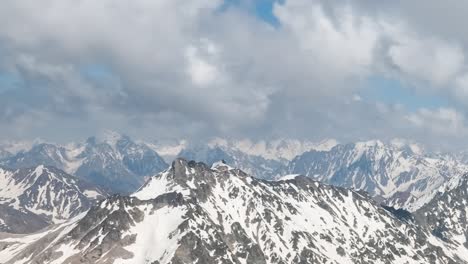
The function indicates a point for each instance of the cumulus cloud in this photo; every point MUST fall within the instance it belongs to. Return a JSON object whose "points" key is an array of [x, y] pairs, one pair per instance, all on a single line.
{"points": [[159, 68], [443, 121], [344, 46], [428, 60], [201, 70]]}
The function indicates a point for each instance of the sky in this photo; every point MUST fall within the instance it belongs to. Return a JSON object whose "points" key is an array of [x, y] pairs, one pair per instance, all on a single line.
{"points": [[305, 69]]}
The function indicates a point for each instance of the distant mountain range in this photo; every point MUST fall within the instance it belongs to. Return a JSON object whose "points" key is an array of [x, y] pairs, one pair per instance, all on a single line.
{"points": [[119, 164], [5, 154], [278, 149], [116, 164], [401, 175], [194, 213]]}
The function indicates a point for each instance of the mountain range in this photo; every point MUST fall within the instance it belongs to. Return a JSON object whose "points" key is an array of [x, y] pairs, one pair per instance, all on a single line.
{"points": [[402, 176], [275, 149], [194, 213], [399, 174], [119, 164], [116, 164]]}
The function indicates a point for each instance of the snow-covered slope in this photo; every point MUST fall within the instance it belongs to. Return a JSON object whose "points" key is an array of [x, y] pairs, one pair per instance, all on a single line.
{"points": [[192, 213], [402, 175], [119, 166], [447, 213], [32, 198], [115, 163], [43, 153]]}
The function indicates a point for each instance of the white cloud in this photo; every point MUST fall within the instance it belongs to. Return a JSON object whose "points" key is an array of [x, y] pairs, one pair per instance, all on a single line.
{"points": [[179, 63], [442, 121], [357, 98], [345, 46], [427, 59], [201, 71]]}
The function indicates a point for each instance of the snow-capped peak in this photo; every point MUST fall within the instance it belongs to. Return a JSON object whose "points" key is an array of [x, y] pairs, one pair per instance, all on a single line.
{"points": [[114, 162], [287, 177], [369, 144], [208, 216], [404, 143], [221, 166], [110, 137], [39, 170], [401, 174], [325, 145]]}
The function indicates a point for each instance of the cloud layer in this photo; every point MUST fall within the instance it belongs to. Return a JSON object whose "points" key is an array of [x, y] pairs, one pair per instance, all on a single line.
{"points": [[203, 68]]}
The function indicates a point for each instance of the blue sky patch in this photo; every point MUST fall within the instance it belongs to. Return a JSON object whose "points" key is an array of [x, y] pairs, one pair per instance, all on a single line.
{"points": [[262, 9], [8, 81], [392, 91]]}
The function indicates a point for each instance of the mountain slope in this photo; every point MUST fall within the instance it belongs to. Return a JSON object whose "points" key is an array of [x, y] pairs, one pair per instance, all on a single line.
{"points": [[116, 164], [398, 175], [447, 213], [40, 154], [192, 213], [33, 198]]}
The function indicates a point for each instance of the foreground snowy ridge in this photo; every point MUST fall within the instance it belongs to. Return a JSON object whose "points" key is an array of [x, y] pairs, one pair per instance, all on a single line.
{"points": [[192, 213]]}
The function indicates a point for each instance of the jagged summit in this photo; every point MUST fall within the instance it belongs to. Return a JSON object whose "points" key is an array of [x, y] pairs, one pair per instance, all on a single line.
{"points": [[180, 163], [221, 166], [186, 177], [192, 213]]}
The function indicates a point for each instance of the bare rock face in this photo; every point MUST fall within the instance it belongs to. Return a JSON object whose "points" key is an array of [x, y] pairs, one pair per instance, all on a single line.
{"points": [[193, 213], [447, 214], [19, 221]]}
